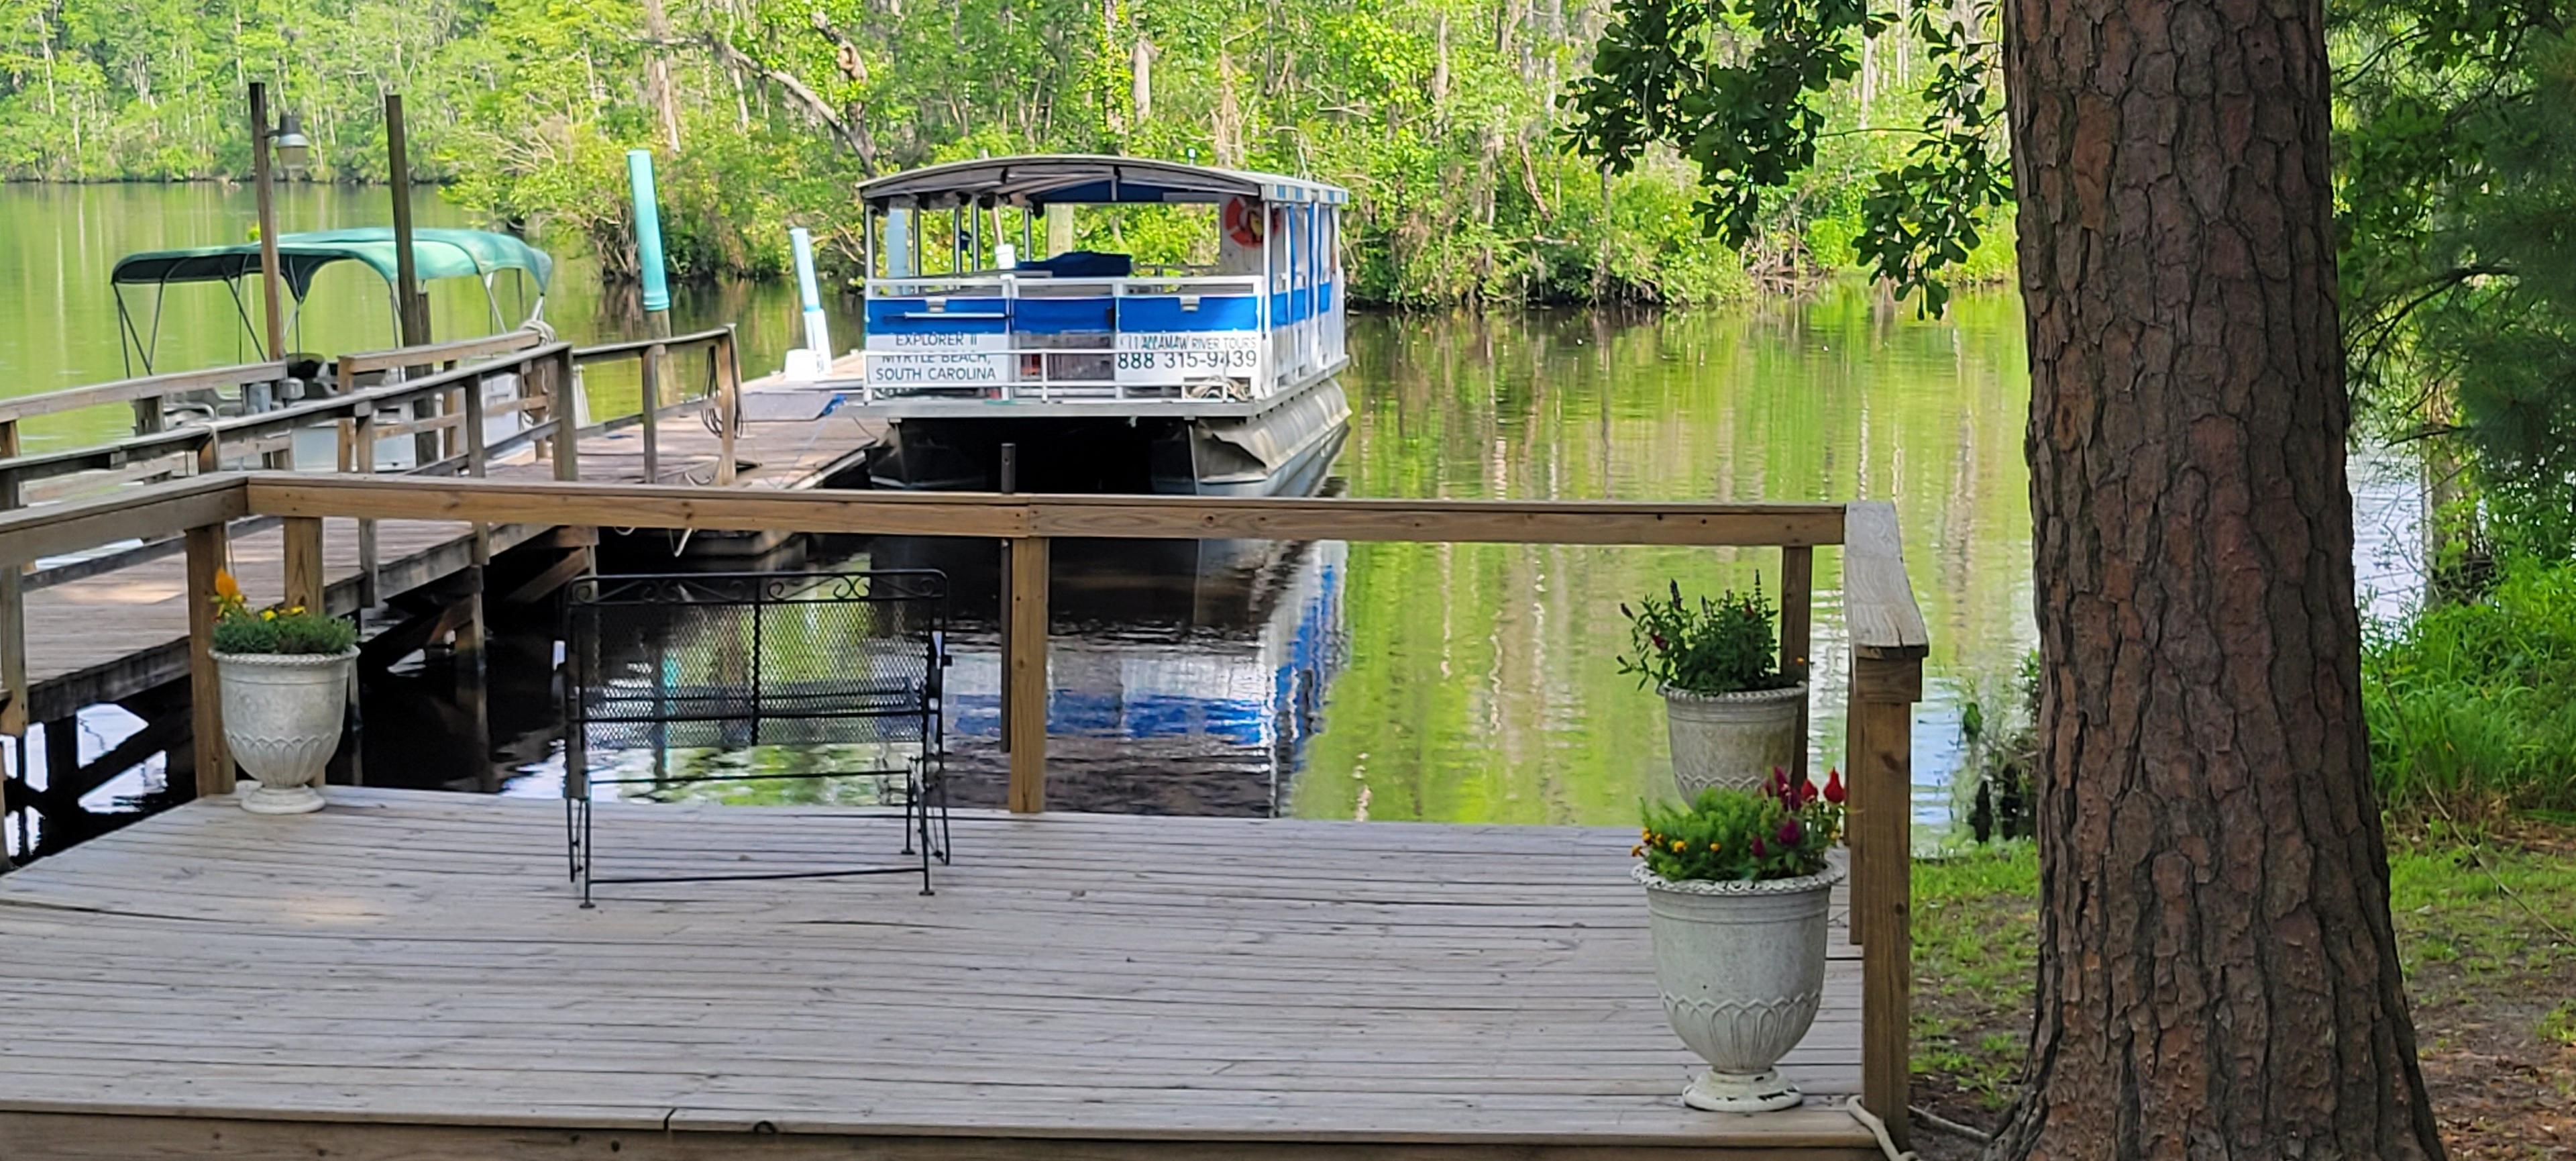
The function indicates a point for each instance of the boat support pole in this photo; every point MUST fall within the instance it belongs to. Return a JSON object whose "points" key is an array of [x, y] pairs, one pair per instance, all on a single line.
{"points": [[818, 330]]}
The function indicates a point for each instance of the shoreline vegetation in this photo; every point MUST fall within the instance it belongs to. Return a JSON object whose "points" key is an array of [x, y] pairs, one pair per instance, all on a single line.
{"points": [[1442, 118]]}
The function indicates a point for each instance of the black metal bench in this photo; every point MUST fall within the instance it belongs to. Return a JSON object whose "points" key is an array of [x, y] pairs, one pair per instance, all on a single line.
{"points": [[841, 672]]}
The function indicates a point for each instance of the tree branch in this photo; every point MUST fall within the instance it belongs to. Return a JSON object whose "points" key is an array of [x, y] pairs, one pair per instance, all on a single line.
{"points": [[851, 135]]}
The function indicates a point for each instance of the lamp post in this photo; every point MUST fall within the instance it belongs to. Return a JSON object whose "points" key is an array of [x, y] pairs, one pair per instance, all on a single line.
{"points": [[293, 151]]}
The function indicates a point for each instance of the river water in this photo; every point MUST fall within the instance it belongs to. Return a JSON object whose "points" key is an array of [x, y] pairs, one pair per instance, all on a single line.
{"points": [[1473, 683]]}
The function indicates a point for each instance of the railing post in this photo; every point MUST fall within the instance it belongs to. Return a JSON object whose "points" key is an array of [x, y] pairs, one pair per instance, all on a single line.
{"points": [[652, 403], [362, 457], [728, 362], [1797, 613], [304, 562], [560, 400], [205, 699], [1888, 643], [474, 426], [13, 612], [1884, 690], [1025, 672]]}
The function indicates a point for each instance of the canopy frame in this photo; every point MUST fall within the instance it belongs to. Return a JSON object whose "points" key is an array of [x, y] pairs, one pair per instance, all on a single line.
{"points": [[438, 253]]}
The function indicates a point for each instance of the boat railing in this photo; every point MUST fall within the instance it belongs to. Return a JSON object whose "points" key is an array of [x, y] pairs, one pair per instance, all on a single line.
{"points": [[1881, 623], [1018, 335]]}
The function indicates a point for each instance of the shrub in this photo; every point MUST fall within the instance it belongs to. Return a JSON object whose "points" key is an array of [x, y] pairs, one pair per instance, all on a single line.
{"points": [[1724, 645], [1782, 832], [276, 629], [2471, 705]]}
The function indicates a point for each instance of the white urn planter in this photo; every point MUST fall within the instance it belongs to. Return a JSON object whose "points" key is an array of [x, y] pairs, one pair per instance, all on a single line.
{"points": [[1742, 968], [282, 714], [1733, 740]]}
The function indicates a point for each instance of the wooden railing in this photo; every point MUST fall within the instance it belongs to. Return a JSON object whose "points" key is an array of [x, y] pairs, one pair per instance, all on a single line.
{"points": [[444, 411], [1885, 629], [1882, 619]]}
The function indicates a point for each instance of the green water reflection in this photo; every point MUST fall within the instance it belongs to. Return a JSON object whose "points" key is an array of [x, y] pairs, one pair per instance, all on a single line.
{"points": [[1481, 681], [1465, 682]]}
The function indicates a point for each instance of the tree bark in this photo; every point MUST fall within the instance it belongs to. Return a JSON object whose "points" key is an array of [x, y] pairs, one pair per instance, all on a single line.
{"points": [[2218, 973]]}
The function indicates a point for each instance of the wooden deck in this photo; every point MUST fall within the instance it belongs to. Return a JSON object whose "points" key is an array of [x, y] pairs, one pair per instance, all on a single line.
{"points": [[106, 637], [406, 975]]}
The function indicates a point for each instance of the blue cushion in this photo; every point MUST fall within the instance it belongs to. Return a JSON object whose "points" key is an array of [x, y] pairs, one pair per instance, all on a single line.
{"points": [[1084, 264]]}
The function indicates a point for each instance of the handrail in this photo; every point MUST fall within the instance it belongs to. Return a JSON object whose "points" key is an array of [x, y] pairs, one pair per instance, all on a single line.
{"points": [[1887, 631], [283, 420], [626, 347], [130, 390], [431, 354]]}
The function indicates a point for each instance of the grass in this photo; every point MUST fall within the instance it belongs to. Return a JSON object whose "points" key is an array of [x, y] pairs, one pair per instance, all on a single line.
{"points": [[1976, 955], [2472, 706], [2486, 928]]}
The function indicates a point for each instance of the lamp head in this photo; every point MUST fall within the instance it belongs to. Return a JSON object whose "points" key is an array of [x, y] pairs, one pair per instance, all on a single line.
{"points": [[294, 152]]}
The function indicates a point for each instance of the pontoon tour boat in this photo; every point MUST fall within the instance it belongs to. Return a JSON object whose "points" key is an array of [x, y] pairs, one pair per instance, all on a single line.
{"points": [[1101, 374]]}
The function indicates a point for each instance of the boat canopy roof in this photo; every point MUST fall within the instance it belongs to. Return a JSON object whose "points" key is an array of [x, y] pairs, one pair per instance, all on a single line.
{"points": [[435, 254], [1084, 179]]}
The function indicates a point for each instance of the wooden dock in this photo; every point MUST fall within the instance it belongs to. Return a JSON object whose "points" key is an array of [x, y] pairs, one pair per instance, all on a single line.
{"points": [[105, 637], [407, 975]]}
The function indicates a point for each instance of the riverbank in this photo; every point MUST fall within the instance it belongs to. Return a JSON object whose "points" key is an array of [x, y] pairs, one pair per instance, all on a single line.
{"points": [[2484, 921]]}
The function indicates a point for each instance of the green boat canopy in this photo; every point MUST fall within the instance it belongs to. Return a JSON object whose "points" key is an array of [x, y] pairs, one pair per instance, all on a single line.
{"points": [[435, 253]]}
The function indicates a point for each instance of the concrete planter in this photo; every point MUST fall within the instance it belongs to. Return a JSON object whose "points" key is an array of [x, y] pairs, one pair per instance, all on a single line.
{"points": [[1742, 968], [282, 716], [1733, 740]]}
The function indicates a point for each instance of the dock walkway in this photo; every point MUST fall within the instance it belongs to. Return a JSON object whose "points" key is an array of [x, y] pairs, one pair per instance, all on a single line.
{"points": [[103, 638], [407, 975]]}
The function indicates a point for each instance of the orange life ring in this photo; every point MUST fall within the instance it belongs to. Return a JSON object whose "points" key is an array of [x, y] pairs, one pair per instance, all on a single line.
{"points": [[1243, 221]]}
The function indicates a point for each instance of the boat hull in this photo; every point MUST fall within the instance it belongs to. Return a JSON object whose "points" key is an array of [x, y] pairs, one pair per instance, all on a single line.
{"points": [[1285, 450]]}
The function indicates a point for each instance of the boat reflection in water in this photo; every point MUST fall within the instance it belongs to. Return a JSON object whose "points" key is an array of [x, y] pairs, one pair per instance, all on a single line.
{"points": [[1188, 677]]}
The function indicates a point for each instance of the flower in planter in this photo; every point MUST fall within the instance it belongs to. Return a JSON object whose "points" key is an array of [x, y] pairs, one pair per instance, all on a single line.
{"points": [[278, 629], [1779, 832], [1721, 645]]}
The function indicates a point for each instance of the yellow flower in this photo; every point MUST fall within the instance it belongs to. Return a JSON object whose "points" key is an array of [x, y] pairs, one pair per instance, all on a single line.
{"points": [[268, 614], [1637, 850], [225, 586], [297, 611], [1712, 848], [1679, 846]]}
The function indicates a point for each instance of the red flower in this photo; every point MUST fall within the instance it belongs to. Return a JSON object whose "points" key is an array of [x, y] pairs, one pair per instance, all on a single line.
{"points": [[1790, 831], [1834, 792], [1758, 849]]}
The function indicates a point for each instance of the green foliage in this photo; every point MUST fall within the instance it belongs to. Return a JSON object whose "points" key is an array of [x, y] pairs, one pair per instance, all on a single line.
{"points": [[2455, 152], [2471, 705], [1781, 832], [292, 630], [2001, 757], [1741, 87], [1725, 645], [1439, 114]]}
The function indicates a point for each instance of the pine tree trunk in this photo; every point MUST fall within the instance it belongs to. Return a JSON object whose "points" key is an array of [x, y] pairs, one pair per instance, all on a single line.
{"points": [[2218, 974]]}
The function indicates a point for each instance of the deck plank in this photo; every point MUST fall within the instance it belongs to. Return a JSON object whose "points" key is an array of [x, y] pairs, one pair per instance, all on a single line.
{"points": [[411, 967]]}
